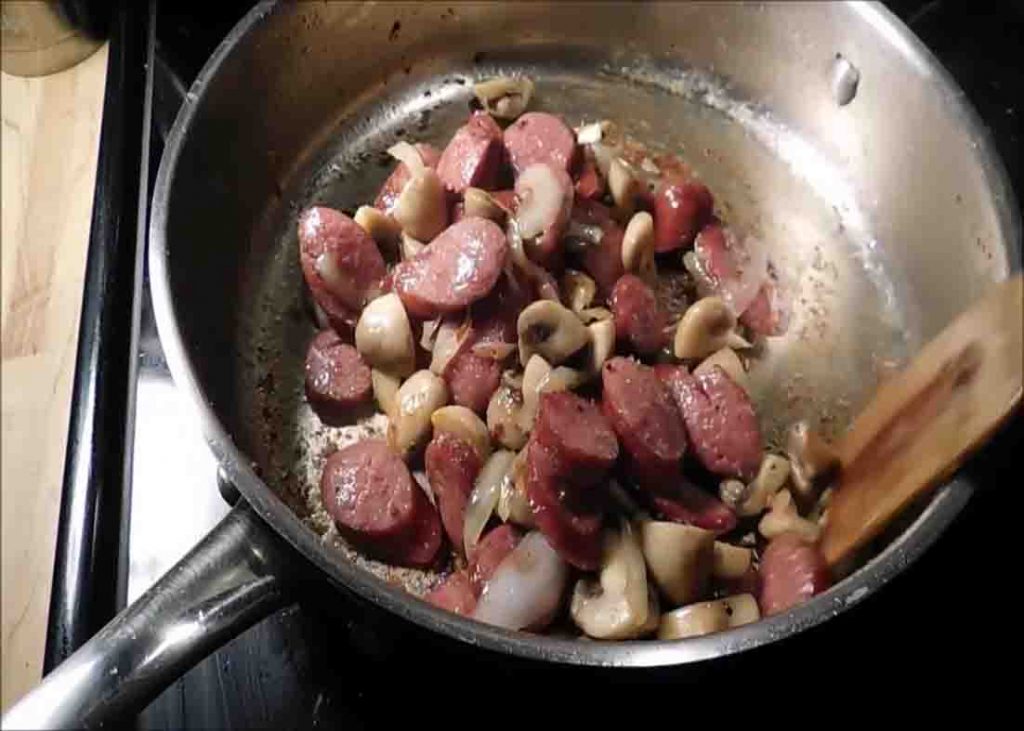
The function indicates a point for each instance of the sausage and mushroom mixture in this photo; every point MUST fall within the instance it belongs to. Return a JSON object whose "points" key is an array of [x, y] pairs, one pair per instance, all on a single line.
{"points": [[590, 447]]}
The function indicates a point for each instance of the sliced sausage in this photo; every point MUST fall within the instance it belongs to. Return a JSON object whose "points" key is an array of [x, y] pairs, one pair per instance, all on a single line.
{"points": [[455, 594], [368, 491], [603, 260], [489, 552], [472, 379], [457, 268], [574, 531], [682, 502], [720, 421], [644, 416], [639, 319], [792, 571], [473, 156], [452, 466], [576, 430], [761, 316], [337, 379], [340, 263], [680, 210], [590, 183], [395, 183], [539, 137]]}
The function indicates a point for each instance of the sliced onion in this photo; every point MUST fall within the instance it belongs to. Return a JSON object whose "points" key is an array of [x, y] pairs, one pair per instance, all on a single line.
{"points": [[526, 589], [451, 338], [604, 154], [410, 247], [407, 154], [420, 478], [513, 505], [750, 261], [484, 497], [429, 333], [542, 199], [693, 264], [545, 284], [493, 350]]}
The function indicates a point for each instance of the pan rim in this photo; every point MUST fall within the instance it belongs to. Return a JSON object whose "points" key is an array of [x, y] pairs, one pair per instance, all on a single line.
{"points": [[903, 551]]}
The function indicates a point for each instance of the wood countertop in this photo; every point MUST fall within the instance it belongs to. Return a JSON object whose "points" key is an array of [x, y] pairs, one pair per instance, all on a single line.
{"points": [[51, 128]]}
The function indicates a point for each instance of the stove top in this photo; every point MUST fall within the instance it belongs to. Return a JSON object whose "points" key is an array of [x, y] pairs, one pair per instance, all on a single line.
{"points": [[328, 660]]}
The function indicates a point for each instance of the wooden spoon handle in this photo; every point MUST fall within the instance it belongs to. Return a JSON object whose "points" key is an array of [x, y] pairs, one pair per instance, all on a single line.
{"points": [[922, 423]]}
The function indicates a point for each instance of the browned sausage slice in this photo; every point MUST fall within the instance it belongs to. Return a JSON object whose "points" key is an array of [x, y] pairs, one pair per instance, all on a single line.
{"points": [[573, 531], [457, 268], [576, 430], [540, 137], [454, 594], [720, 421], [472, 379], [368, 491], [681, 502], [489, 552], [644, 416], [473, 155], [602, 260], [452, 466], [792, 571], [639, 319], [340, 262], [337, 379], [395, 183], [680, 210]]}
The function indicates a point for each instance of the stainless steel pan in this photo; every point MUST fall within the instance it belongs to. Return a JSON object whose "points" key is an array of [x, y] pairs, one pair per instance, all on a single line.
{"points": [[825, 128]]}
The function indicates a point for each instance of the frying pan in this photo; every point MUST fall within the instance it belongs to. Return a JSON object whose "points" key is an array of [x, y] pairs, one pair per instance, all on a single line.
{"points": [[826, 129]]}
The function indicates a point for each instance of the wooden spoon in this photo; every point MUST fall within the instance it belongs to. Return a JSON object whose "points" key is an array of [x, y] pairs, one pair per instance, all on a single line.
{"points": [[922, 423]]}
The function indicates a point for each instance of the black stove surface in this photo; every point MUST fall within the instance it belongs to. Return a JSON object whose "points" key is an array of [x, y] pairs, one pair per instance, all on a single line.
{"points": [[329, 661]]}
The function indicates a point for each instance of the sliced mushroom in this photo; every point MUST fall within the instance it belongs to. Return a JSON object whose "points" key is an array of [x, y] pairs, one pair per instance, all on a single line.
{"points": [[638, 246], [548, 328], [382, 228], [407, 154], [731, 562], [503, 420], [679, 557], [708, 617], [594, 314], [464, 424], [513, 505], [694, 620], [384, 336], [706, 326], [616, 607], [422, 207], [504, 97], [783, 517], [815, 462], [771, 476], [477, 202], [625, 187], [578, 290], [385, 390], [602, 344], [728, 361], [733, 492], [420, 396]]}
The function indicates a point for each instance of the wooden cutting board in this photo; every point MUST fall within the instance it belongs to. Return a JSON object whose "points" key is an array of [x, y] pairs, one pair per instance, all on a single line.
{"points": [[49, 148]]}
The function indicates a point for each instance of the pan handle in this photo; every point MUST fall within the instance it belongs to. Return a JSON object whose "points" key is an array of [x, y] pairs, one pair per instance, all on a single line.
{"points": [[228, 582]]}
